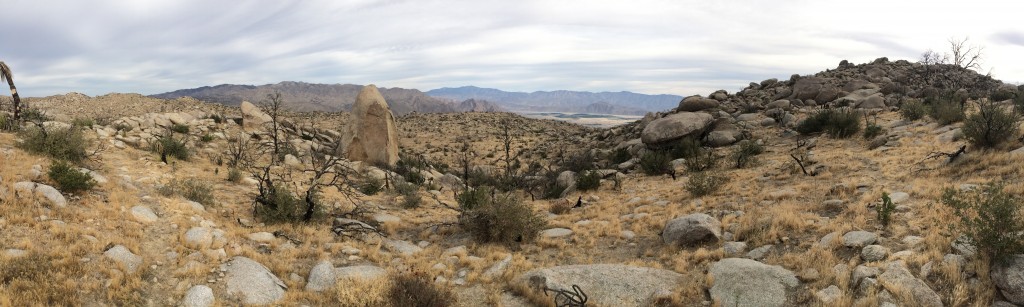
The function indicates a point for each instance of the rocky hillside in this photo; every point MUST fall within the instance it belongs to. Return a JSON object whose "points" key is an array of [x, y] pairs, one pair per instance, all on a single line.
{"points": [[301, 96], [622, 103]]}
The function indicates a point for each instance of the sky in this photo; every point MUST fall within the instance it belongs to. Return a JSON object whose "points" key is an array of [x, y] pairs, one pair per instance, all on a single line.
{"points": [[646, 46]]}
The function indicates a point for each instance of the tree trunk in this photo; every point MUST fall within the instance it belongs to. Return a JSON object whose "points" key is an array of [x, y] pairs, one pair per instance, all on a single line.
{"points": [[17, 99]]}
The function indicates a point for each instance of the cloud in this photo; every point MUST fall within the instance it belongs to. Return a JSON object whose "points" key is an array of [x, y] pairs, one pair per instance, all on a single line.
{"points": [[650, 46]]}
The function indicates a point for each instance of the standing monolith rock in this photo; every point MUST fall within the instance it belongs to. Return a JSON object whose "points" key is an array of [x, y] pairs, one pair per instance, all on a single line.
{"points": [[372, 134]]}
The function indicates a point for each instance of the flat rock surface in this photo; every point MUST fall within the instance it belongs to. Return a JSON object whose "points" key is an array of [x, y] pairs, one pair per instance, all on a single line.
{"points": [[607, 284]]}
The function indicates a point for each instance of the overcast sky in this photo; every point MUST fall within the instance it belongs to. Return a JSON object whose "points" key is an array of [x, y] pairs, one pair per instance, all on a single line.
{"points": [[654, 47]]}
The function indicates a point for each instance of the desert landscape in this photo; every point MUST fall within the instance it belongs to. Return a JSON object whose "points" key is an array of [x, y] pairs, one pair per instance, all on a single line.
{"points": [[891, 182]]}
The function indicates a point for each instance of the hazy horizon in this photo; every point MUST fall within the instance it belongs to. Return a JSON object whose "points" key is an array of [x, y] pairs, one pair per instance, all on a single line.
{"points": [[649, 47]]}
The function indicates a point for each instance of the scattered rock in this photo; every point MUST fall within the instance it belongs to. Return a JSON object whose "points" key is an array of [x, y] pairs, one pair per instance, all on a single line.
{"points": [[859, 238], [745, 282], [760, 252], [607, 284], [734, 248], [386, 218], [498, 268], [898, 279], [198, 296], [34, 191], [1009, 278], [556, 233], [405, 248], [144, 214], [252, 282], [829, 295], [872, 253], [198, 238], [692, 229], [262, 237], [899, 197], [120, 254]]}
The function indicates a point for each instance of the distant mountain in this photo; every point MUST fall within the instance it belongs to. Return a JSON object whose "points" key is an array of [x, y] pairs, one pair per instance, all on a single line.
{"points": [[475, 105], [624, 103], [301, 96]]}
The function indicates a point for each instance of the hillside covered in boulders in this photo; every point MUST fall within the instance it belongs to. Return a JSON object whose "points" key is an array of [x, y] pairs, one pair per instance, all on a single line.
{"points": [[846, 188]]}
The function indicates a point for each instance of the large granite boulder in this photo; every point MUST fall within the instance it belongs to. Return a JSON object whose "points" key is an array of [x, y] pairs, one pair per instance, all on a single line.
{"points": [[372, 133], [251, 282], [745, 282], [1009, 278], [252, 117], [692, 229], [696, 103], [674, 127]]}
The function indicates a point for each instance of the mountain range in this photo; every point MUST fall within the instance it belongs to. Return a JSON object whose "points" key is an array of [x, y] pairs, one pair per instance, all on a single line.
{"points": [[302, 96]]}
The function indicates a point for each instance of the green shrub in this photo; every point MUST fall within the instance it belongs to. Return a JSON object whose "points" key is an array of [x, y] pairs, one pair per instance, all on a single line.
{"points": [[579, 162], [167, 145], [656, 163], [69, 179], [1018, 104], [838, 123], [990, 126], [370, 186], [745, 154], [588, 180], [206, 138], [946, 112], [66, 144], [885, 209], [192, 189], [7, 124], [83, 122], [913, 109], [179, 128], [279, 205], [503, 219], [990, 219], [410, 197], [620, 155], [234, 175], [1000, 95], [418, 290], [473, 198], [872, 130], [702, 183], [706, 160], [34, 115], [687, 148]]}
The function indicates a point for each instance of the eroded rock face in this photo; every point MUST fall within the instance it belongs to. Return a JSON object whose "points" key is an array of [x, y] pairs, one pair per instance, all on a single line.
{"points": [[372, 134], [607, 284]]}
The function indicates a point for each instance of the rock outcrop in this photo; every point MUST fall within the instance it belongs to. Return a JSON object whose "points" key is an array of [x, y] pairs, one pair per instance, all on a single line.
{"points": [[745, 282], [608, 284], [674, 127], [252, 282], [692, 229], [372, 134]]}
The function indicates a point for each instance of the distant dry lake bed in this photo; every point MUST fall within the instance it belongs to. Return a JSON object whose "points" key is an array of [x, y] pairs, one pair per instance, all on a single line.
{"points": [[585, 119]]}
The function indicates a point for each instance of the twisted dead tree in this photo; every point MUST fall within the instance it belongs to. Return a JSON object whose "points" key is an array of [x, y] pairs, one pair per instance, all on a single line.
{"points": [[5, 74]]}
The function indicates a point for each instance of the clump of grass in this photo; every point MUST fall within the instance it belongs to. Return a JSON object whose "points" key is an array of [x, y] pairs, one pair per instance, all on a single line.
{"points": [[179, 128], [702, 183], [206, 138], [410, 197], [83, 122], [41, 279], [370, 186], [560, 207], [416, 289], [620, 156], [588, 180], [745, 154], [69, 179], [837, 122], [167, 145], [67, 144], [946, 112], [192, 189], [503, 219], [234, 175], [990, 219], [872, 129]]}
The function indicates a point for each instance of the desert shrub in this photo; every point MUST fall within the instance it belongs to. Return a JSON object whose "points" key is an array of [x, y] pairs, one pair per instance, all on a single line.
{"points": [[473, 198], [234, 175], [560, 206], [706, 160], [872, 130], [745, 154], [838, 123], [620, 155], [656, 163], [7, 124], [370, 186], [990, 126], [192, 189], [588, 180], [41, 280], [579, 162], [1018, 104], [687, 148], [66, 144], [279, 205], [701, 183], [503, 219], [913, 109], [990, 219], [34, 115], [418, 290], [410, 197], [68, 178], [216, 118], [885, 209], [206, 138], [1001, 95], [179, 128], [83, 122], [409, 170], [167, 145], [946, 112]]}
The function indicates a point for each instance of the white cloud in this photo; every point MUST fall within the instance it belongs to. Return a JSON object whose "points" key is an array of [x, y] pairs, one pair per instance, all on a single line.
{"points": [[652, 46]]}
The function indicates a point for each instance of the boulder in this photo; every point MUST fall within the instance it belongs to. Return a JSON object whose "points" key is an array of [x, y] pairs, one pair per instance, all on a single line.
{"points": [[252, 117], [607, 284], [1009, 278], [252, 282], [807, 88], [874, 253], [120, 254], [898, 279], [696, 103], [692, 229], [372, 132], [144, 214], [35, 191], [402, 247], [198, 238], [745, 282], [859, 238], [675, 127], [556, 233], [198, 296]]}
